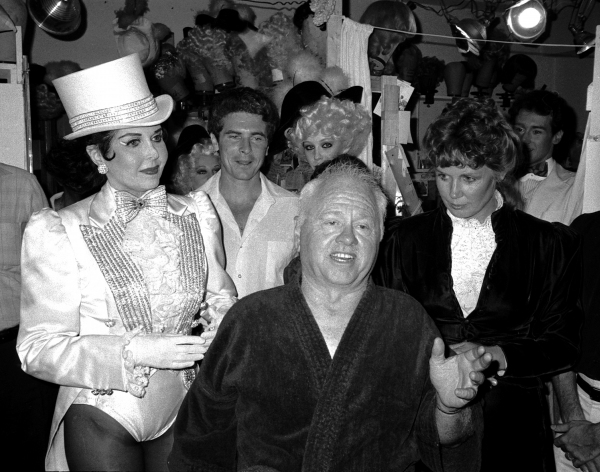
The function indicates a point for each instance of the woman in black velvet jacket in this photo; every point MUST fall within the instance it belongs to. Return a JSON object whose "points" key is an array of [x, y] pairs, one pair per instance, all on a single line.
{"points": [[491, 275]]}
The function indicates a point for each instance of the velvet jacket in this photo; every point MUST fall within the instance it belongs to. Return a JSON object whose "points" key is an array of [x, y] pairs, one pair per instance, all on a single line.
{"points": [[528, 300], [269, 394]]}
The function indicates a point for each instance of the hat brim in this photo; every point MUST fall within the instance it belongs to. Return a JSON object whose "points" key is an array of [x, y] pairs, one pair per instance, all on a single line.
{"points": [[164, 104]]}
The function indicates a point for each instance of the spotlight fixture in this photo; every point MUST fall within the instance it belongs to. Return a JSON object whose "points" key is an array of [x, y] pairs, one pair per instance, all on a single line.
{"points": [[470, 35], [580, 14], [526, 20], [59, 17], [585, 40]]}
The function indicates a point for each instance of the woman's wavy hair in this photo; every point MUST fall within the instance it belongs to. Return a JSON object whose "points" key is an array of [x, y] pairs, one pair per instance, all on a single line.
{"points": [[69, 163], [340, 119], [474, 133]]}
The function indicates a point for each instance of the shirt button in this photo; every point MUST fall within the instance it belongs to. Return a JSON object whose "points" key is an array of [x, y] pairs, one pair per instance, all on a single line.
{"points": [[239, 276]]}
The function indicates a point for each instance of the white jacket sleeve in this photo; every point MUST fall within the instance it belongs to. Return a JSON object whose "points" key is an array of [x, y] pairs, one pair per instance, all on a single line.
{"points": [[50, 344]]}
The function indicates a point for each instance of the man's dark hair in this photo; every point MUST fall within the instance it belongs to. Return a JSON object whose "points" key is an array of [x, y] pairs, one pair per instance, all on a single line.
{"points": [[243, 100], [543, 103]]}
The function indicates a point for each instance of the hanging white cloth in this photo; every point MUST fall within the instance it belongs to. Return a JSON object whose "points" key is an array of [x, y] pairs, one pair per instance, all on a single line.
{"points": [[355, 64], [588, 172]]}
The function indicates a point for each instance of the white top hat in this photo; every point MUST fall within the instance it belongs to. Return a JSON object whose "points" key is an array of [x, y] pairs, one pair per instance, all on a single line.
{"points": [[113, 95]]}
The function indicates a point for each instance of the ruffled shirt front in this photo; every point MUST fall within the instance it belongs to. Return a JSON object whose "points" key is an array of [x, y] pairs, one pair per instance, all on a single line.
{"points": [[153, 244], [472, 245]]}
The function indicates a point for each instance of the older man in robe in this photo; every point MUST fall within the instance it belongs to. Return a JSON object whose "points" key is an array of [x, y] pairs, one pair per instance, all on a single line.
{"points": [[331, 372]]}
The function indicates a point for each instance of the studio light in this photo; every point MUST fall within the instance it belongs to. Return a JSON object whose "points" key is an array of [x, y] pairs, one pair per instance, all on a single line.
{"points": [[470, 35], [59, 17], [585, 40], [526, 20]]}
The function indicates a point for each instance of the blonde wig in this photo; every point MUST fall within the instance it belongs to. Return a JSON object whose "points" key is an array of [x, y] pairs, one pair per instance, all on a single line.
{"points": [[338, 119]]}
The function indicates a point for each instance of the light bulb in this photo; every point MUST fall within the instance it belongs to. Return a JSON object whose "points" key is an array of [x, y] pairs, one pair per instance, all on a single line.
{"points": [[530, 18]]}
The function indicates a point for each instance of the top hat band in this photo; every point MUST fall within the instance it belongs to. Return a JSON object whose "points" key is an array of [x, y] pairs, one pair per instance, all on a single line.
{"points": [[126, 113]]}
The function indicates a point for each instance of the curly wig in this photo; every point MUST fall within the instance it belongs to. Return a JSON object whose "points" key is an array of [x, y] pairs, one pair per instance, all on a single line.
{"points": [[181, 181], [474, 133], [340, 119]]}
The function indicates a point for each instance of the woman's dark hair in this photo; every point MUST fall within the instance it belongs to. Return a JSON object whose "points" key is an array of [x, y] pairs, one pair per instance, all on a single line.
{"points": [[243, 100], [101, 139], [69, 163], [473, 133]]}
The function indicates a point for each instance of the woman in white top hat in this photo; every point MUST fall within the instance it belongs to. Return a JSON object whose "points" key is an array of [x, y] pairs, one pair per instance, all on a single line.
{"points": [[113, 285]]}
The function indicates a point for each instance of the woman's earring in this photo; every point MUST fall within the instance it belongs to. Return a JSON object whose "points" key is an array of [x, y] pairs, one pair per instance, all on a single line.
{"points": [[102, 169]]}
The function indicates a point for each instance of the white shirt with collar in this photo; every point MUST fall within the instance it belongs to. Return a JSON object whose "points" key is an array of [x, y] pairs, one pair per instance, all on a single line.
{"points": [[556, 197], [255, 259], [551, 163]]}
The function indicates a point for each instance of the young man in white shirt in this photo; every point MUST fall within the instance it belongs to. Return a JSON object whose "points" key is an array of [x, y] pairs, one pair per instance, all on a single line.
{"points": [[257, 216], [549, 191]]}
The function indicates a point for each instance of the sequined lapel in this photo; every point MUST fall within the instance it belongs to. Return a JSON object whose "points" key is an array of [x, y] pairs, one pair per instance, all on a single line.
{"points": [[122, 275], [104, 238], [193, 269]]}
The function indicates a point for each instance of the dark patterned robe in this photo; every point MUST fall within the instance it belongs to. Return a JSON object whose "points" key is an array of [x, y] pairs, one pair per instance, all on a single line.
{"points": [[269, 394]]}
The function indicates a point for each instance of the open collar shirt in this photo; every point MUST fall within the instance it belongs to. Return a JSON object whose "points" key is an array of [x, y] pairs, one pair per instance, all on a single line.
{"points": [[20, 196], [255, 259], [558, 197]]}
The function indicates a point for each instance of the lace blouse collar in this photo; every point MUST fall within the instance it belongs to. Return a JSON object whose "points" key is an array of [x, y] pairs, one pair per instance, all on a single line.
{"points": [[474, 222]]}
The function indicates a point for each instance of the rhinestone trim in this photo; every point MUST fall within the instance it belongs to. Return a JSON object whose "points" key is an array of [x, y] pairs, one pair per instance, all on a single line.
{"points": [[122, 275], [127, 113]]}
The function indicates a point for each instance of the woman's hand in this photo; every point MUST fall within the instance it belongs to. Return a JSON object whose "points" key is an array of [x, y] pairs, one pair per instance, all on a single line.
{"points": [[167, 351], [457, 378], [495, 351], [464, 346]]}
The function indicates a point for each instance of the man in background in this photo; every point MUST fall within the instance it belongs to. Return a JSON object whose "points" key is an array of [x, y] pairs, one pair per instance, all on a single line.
{"points": [[549, 191], [27, 403], [257, 215], [554, 194]]}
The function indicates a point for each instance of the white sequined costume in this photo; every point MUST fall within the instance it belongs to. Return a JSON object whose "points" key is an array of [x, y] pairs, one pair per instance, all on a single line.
{"points": [[88, 278]]}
